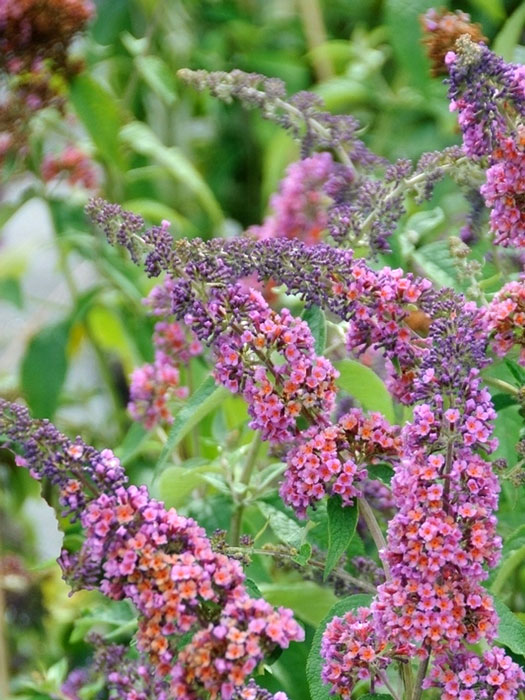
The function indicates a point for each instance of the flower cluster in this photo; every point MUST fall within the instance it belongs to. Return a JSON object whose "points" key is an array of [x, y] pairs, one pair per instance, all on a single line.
{"points": [[300, 207], [78, 470], [76, 165], [442, 29], [504, 191], [269, 357], [505, 317], [155, 385], [352, 652], [160, 561], [164, 564], [334, 459], [465, 676], [34, 41], [486, 92]]}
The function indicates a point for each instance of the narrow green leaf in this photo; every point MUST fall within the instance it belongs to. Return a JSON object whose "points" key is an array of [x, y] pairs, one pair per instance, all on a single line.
{"points": [[376, 696], [342, 521], [363, 384], [314, 317], [286, 529], [44, 368], [505, 43], [133, 441], [100, 114], [158, 77], [141, 139], [318, 689], [511, 631], [206, 398], [252, 588]]}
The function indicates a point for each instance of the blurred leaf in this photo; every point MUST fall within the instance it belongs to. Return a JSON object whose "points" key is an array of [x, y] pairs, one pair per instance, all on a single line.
{"points": [[106, 326], [141, 139], [510, 34], [110, 20], [376, 696], [155, 212], [511, 631], [366, 386], [401, 19], [252, 588], [11, 290], [342, 521], [305, 552], [286, 529], [112, 620], [435, 261], [494, 9], [177, 483], [133, 441], [158, 77], [44, 368], [206, 398], [100, 114], [383, 472], [314, 665], [315, 319], [307, 599], [501, 401]]}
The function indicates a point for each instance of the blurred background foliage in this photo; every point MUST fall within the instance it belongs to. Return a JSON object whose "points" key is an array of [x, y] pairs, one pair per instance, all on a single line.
{"points": [[73, 322]]}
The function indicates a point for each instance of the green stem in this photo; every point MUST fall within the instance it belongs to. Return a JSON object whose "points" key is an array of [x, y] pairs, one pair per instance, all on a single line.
{"points": [[420, 677], [4, 662], [314, 29], [502, 385], [245, 478], [408, 679], [366, 512]]}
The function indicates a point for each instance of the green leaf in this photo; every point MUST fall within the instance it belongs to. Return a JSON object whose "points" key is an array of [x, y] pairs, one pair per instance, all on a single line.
{"points": [[286, 529], [318, 689], [206, 398], [133, 441], [155, 212], [511, 631], [44, 368], [509, 36], [494, 9], [363, 384], [141, 139], [501, 401], [307, 599], [342, 521], [113, 620], [11, 291], [158, 77], [315, 319], [304, 555], [383, 472], [376, 696], [177, 483], [401, 19], [100, 114]]}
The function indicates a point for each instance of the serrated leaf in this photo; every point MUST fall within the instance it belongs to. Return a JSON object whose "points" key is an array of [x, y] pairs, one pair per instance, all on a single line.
{"points": [[98, 110], [44, 368], [207, 397], [342, 521], [314, 665], [511, 631], [307, 599], [509, 34], [286, 529], [142, 140], [363, 384], [314, 317], [158, 77]]}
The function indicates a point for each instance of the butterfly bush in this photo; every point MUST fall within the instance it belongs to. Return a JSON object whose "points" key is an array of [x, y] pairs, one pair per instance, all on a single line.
{"points": [[430, 606], [162, 562]]}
